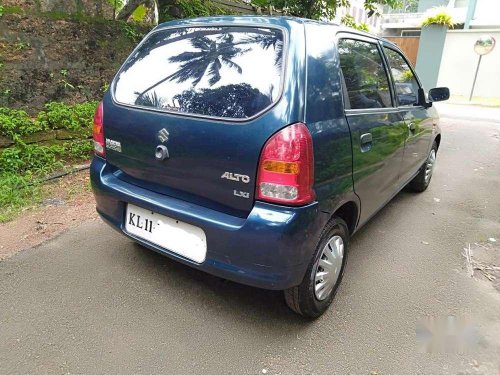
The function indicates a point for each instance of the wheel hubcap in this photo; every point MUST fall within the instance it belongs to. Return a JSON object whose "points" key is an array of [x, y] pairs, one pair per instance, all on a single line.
{"points": [[329, 267], [429, 167]]}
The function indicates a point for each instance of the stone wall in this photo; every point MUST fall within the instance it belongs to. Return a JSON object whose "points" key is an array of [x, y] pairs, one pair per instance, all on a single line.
{"points": [[47, 138], [93, 8], [48, 57]]}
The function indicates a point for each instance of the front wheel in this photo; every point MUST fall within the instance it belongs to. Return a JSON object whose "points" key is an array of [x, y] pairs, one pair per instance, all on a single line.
{"points": [[422, 180], [316, 292]]}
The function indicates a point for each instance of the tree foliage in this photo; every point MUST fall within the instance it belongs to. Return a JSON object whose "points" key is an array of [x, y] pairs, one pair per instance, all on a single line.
{"points": [[322, 9], [349, 21]]}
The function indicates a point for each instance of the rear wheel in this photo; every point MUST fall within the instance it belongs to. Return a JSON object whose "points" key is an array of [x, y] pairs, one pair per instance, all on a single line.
{"points": [[316, 292], [422, 180]]}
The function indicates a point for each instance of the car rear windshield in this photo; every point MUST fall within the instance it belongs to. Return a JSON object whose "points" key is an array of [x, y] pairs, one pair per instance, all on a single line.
{"points": [[228, 72]]}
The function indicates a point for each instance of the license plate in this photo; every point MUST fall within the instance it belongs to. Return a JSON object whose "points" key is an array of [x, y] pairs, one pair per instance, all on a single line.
{"points": [[174, 235]]}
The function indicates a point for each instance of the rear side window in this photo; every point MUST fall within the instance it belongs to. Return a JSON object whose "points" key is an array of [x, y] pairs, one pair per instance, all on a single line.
{"points": [[365, 78], [229, 72], [404, 80]]}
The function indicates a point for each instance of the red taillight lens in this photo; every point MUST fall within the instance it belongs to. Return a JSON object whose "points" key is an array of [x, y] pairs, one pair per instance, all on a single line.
{"points": [[98, 132], [286, 171]]}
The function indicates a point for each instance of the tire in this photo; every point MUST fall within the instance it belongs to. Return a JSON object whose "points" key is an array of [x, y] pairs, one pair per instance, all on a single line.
{"points": [[303, 299], [422, 180]]}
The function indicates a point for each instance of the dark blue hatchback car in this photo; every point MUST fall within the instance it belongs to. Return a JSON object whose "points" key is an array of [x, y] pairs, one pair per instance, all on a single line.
{"points": [[253, 147]]}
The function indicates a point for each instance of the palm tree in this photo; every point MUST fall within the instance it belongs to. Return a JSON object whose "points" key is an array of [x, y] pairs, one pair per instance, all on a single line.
{"points": [[211, 56]]}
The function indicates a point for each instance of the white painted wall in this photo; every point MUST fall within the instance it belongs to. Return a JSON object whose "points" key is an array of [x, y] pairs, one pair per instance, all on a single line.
{"points": [[487, 14], [459, 64]]}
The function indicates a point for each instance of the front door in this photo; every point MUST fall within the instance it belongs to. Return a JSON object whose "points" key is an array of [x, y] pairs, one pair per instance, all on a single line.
{"points": [[418, 122], [377, 128]]}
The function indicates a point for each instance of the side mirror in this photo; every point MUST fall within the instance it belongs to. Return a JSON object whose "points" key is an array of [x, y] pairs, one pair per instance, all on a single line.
{"points": [[438, 94]]}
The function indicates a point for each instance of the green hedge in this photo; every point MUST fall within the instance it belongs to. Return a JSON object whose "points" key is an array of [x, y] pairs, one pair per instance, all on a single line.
{"points": [[15, 123], [32, 147], [35, 147]]}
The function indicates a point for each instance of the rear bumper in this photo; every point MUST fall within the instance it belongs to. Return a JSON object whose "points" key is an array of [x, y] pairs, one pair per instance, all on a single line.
{"points": [[270, 249]]}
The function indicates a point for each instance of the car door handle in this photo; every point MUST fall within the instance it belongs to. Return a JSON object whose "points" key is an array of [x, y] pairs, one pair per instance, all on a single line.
{"points": [[366, 142], [412, 126], [366, 138]]}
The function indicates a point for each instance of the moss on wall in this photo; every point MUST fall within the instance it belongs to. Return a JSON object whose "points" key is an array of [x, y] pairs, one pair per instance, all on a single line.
{"points": [[55, 57]]}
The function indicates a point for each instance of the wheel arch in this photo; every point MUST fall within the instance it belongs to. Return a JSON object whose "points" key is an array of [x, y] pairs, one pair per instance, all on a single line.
{"points": [[437, 140], [349, 212]]}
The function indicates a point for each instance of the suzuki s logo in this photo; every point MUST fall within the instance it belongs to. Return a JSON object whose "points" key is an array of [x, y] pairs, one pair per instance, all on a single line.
{"points": [[163, 135]]}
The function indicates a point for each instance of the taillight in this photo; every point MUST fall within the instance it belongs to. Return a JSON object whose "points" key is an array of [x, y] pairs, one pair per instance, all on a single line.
{"points": [[286, 171], [98, 132]]}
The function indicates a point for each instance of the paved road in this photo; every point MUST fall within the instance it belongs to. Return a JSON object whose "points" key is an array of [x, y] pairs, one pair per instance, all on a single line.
{"points": [[92, 302], [469, 112]]}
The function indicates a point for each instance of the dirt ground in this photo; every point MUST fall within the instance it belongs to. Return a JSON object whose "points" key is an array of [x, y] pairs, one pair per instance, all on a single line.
{"points": [[68, 203]]}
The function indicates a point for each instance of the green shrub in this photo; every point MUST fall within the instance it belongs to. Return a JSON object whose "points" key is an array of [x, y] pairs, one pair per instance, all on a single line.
{"points": [[438, 16], [131, 32], [78, 150], [34, 158], [15, 123], [23, 166], [11, 160], [62, 116]]}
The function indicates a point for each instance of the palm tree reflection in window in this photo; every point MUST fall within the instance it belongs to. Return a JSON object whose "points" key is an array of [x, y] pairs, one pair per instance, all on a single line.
{"points": [[150, 100], [266, 41], [209, 57], [236, 101]]}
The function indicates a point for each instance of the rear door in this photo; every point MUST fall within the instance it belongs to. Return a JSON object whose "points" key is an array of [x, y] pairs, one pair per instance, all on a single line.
{"points": [[204, 96], [417, 119], [377, 128]]}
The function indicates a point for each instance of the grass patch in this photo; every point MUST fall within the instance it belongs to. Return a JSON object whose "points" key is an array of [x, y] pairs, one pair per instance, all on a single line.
{"points": [[16, 193], [24, 165]]}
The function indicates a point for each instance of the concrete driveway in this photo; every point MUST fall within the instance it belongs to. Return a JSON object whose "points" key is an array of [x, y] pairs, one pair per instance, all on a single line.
{"points": [[92, 302]]}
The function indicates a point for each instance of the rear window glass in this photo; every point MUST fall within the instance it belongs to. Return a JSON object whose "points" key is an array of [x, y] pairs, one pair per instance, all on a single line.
{"points": [[231, 72]]}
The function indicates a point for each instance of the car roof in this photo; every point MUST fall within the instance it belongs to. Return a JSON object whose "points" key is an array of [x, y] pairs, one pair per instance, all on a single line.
{"points": [[261, 20], [258, 19]]}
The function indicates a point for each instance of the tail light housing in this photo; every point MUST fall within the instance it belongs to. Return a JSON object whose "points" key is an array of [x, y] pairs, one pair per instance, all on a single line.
{"points": [[98, 132], [286, 167]]}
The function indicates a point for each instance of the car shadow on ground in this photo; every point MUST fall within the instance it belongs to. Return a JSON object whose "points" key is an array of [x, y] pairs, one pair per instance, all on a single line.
{"points": [[235, 298], [205, 291]]}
